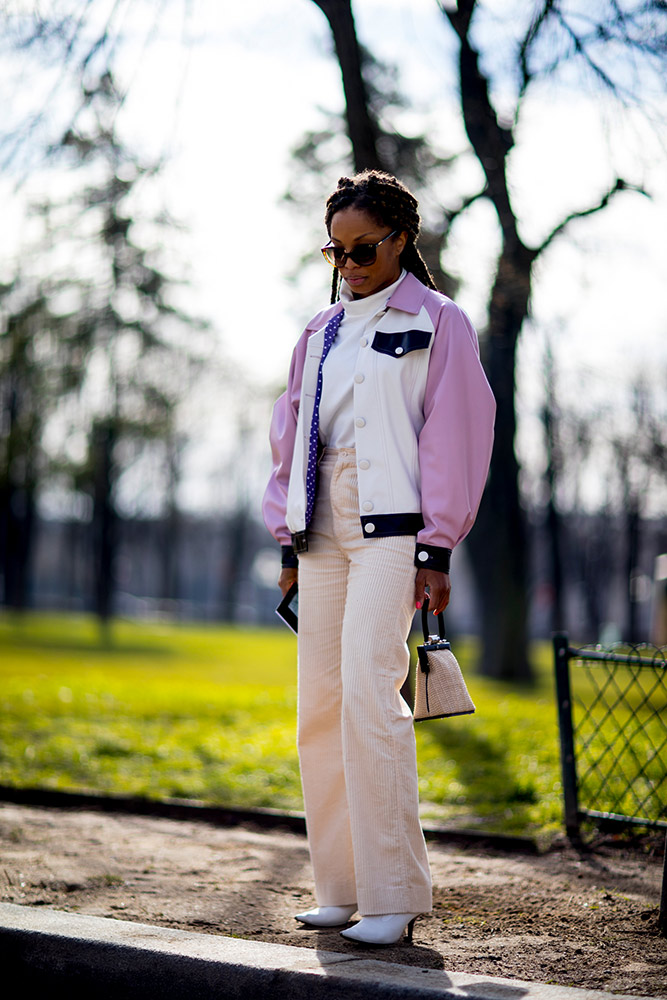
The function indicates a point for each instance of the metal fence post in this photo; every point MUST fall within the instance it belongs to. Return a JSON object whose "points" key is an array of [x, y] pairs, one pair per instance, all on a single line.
{"points": [[567, 760], [662, 918]]}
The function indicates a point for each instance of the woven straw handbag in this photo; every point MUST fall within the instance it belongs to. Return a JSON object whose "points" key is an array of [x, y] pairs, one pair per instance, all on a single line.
{"points": [[440, 688]]}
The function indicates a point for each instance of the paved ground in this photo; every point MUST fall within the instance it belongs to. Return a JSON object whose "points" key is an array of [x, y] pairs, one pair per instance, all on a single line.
{"points": [[583, 920]]}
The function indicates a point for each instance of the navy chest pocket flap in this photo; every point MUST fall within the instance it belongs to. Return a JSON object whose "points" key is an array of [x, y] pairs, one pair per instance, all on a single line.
{"points": [[399, 344]]}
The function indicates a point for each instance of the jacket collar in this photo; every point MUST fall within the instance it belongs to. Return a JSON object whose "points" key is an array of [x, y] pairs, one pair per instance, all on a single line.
{"points": [[409, 296]]}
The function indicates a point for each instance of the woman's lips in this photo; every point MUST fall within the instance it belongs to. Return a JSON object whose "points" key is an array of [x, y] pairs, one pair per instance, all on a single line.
{"points": [[357, 280]]}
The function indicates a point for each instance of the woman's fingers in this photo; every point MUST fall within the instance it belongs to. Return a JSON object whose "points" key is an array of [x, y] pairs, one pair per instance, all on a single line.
{"points": [[439, 601], [287, 577], [438, 586]]}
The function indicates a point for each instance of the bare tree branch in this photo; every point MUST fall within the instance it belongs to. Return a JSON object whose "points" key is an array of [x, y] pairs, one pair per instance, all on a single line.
{"points": [[584, 51], [77, 46], [619, 185], [490, 140], [451, 214], [594, 36], [527, 44]]}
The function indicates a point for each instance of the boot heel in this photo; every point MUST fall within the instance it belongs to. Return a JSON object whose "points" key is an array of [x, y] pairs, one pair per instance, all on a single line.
{"points": [[382, 928]]}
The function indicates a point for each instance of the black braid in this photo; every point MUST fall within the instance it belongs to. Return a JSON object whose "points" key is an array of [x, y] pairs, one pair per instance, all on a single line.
{"points": [[335, 282], [389, 203]]}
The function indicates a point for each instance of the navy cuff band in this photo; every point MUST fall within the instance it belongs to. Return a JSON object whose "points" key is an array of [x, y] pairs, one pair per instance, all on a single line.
{"points": [[432, 557], [288, 558]]}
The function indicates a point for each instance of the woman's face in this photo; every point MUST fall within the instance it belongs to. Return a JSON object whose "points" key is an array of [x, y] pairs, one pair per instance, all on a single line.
{"points": [[352, 226]]}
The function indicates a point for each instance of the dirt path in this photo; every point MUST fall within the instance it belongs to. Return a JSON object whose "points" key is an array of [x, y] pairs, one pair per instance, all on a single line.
{"points": [[585, 920]]}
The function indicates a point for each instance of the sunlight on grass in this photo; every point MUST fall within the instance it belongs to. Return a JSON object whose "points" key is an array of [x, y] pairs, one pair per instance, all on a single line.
{"points": [[209, 713]]}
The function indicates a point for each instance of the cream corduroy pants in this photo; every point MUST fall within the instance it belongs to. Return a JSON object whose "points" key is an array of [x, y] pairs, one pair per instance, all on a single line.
{"points": [[355, 733]]}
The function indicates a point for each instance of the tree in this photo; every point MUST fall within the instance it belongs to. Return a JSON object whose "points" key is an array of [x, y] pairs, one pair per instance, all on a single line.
{"points": [[21, 380], [554, 468], [122, 359], [550, 34], [143, 368], [373, 104], [602, 490], [70, 44], [638, 445], [41, 363]]}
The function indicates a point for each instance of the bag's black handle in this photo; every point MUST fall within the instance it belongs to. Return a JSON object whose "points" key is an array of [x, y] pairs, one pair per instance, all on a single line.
{"points": [[440, 618]]}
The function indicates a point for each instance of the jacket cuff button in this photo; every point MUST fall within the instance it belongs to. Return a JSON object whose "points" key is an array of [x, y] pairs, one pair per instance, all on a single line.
{"points": [[422, 556]]}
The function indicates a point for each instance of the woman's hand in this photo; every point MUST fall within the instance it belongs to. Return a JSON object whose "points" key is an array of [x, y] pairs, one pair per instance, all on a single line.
{"points": [[438, 586], [287, 577]]}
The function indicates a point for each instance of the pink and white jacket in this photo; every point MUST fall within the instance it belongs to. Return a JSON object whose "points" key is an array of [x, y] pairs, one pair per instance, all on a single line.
{"points": [[423, 417]]}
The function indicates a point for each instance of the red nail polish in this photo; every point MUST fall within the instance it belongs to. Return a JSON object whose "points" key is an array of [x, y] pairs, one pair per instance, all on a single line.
{"points": [[418, 605]]}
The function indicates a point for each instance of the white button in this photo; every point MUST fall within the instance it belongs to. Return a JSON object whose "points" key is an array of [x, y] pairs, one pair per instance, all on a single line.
{"points": [[423, 557], [399, 350], [360, 422], [364, 464], [364, 341], [370, 527], [367, 505], [358, 378]]}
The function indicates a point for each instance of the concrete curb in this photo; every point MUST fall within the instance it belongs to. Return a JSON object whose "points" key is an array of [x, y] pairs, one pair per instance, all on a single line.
{"points": [[45, 949]]}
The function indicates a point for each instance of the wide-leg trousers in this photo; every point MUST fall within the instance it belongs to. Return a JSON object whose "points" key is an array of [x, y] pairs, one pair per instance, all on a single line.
{"points": [[355, 732]]}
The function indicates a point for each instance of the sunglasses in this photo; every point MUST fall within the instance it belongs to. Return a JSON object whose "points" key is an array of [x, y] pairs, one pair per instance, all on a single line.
{"points": [[363, 254]]}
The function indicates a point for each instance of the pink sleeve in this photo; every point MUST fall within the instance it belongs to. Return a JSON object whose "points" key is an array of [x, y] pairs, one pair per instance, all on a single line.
{"points": [[457, 437], [281, 435]]}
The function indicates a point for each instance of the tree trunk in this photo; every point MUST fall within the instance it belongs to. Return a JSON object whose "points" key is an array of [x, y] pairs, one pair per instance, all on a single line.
{"points": [[632, 536], [104, 519], [361, 127], [554, 525], [236, 563], [17, 530], [171, 584], [498, 542], [17, 495], [554, 533]]}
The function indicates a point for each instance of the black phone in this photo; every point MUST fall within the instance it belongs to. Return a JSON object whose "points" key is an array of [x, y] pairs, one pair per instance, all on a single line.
{"points": [[288, 609]]}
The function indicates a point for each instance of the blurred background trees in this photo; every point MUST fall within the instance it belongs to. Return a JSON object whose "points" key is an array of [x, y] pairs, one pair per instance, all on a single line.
{"points": [[93, 343], [103, 359]]}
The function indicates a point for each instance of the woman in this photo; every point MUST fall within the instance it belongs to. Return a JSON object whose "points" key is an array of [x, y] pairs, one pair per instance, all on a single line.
{"points": [[381, 447]]}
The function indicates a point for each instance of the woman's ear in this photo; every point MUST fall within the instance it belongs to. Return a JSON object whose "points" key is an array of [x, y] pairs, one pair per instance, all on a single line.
{"points": [[400, 242]]}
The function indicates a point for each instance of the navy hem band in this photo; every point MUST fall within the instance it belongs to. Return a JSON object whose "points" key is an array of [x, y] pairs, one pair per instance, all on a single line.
{"points": [[387, 525]]}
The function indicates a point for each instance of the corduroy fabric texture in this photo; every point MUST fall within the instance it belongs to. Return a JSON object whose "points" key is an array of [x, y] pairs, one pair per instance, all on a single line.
{"points": [[355, 732]]}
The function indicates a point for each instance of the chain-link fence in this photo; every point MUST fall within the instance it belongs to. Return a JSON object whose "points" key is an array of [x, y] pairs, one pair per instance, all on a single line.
{"points": [[612, 715]]}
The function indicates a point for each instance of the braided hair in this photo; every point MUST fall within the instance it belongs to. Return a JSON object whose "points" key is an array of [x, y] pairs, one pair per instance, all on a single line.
{"points": [[389, 203]]}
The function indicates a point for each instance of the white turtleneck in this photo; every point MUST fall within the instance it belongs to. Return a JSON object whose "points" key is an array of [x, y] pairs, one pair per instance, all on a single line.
{"points": [[336, 403]]}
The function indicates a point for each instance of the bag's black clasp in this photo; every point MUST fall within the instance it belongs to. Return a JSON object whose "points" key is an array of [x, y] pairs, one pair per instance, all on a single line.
{"points": [[300, 541]]}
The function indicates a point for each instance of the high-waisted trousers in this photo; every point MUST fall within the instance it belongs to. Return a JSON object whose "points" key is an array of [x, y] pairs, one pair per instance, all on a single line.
{"points": [[355, 732]]}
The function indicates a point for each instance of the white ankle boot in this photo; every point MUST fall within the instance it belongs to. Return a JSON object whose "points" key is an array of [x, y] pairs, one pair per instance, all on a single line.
{"points": [[386, 928], [327, 916]]}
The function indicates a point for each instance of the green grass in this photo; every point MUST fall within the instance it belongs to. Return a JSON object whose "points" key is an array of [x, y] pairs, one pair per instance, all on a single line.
{"points": [[209, 713]]}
